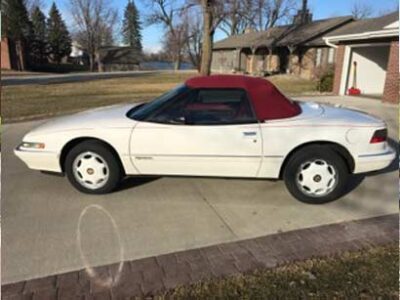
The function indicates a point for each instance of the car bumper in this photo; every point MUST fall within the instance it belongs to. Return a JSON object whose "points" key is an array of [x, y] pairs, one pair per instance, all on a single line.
{"points": [[374, 162], [40, 160]]}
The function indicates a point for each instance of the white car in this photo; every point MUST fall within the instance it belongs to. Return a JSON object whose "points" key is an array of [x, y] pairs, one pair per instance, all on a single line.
{"points": [[218, 126]]}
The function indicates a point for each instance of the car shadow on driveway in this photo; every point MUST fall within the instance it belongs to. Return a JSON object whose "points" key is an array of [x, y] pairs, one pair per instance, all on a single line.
{"points": [[135, 181]]}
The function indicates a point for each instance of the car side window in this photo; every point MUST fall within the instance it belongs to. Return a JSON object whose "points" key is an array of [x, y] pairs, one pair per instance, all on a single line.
{"points": [[173, 112], [219, 107]]}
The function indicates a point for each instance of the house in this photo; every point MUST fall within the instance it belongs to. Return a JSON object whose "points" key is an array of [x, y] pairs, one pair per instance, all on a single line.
{"points": [[78, 54], [298, 48], [368, 57], [118, 59]]}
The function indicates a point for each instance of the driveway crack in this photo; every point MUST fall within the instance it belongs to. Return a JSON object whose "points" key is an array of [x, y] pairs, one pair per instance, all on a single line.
{"points": [[216, 212]]}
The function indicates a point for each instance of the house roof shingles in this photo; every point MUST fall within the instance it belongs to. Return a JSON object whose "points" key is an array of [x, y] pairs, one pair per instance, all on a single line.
{"points": [[367, 25], [306, 34], [311, 33], [249, 39]]}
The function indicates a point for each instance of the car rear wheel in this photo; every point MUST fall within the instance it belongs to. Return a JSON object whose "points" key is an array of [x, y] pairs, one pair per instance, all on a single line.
{"points": [[316, 175], [92, 168]]}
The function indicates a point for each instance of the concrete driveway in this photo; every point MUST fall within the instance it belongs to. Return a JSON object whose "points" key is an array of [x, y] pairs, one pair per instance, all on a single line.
{"points": [[49, 228]]}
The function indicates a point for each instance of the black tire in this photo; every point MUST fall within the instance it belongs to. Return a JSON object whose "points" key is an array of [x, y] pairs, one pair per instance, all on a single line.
{"points": [[114, 168], [318, 154]]}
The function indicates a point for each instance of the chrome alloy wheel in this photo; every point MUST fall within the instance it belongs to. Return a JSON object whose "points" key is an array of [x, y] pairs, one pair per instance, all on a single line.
{"points": [[91, 170], [316, 178]]}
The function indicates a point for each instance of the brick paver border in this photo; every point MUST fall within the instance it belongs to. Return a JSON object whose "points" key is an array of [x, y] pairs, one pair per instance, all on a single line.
{"points": [[154, 275]]}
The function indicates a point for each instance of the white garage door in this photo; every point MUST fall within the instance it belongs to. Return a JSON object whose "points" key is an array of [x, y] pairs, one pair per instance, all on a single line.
{"points": [[371, 68]]}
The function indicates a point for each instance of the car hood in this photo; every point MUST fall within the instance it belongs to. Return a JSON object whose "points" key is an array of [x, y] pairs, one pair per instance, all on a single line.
{"points": [[324, 114], [105, 117]]}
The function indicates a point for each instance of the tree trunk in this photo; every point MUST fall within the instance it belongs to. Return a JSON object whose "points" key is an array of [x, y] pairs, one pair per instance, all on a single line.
{"points": [[19, 49], [206, 57], [92, 59], [177, 62], [100, 65]]}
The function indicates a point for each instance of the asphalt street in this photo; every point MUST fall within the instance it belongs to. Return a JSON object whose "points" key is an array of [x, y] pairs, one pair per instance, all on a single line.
{"points": [[48, 227], [74, 77]]}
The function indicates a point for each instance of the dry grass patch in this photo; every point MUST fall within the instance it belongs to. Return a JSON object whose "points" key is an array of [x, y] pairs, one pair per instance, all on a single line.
{"points": [[293, 85], [32, 101], [26, 102], [368, 274]]}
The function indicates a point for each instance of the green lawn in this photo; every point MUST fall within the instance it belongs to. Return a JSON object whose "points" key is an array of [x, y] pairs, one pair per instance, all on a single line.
{"points": [[369, 274], [38, 101]]}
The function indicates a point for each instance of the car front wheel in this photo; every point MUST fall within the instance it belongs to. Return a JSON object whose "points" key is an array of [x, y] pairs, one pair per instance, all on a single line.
{"points": [[316, 175], [92, 168]]}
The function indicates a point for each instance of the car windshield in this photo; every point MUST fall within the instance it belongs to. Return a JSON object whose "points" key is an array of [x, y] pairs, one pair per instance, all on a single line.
{"points": [[141, 112]]}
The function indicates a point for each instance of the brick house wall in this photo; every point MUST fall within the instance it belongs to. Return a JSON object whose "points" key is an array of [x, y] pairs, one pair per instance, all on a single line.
{"points": [[224, 61], [5, 54], [339, 61], [308, 64], [304, 64], [391, 91], [272, 63]]}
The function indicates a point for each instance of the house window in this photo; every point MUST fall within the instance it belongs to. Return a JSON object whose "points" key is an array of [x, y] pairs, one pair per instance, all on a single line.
{"points": [[318, 58], [331, 56]]}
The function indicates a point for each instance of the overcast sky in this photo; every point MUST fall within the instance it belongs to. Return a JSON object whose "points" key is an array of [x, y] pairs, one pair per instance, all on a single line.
{"points": [[152, 35]]}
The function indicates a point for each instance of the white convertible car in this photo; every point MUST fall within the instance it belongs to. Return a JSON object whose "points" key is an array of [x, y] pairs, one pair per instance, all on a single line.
{"points": [[219, 126]]}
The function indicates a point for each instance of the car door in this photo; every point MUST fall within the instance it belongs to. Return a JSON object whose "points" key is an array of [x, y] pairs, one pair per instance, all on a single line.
{"points": [[210, 132]]}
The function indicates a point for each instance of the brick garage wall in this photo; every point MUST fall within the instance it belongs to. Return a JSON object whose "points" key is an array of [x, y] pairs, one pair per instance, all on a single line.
{"points": [[339, 61], [391, 91], [5, 54]]}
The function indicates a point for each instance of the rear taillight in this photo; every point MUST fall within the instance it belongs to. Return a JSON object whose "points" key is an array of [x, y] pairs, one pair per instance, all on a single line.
{"points": [[379, 136]]}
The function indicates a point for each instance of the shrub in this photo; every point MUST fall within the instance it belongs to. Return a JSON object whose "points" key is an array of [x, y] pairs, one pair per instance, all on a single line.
{"points": [[325, 83], [61, 68]]}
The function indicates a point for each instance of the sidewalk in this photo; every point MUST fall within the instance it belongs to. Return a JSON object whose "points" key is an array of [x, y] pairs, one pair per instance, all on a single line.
{"points": [[155, 275]]}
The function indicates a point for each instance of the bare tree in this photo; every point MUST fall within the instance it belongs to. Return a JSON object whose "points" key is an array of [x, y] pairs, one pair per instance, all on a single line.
{"points": [[257, 14], [174, 44], [95, 21], [361, 10], [168, 14], [194, 37], [268, 13], [213, 13], [207, 7], [239, 14]]}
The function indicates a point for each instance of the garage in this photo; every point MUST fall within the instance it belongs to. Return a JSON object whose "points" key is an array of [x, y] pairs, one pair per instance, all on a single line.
{"points": [[368, 67], [367, 57]]}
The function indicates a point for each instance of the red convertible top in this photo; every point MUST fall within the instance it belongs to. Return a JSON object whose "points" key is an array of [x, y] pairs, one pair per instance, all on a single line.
{"points": [[268, 102]]}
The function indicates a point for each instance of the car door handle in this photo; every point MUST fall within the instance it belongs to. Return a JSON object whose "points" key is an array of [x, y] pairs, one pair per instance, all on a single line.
{"points": [[249, 133]]}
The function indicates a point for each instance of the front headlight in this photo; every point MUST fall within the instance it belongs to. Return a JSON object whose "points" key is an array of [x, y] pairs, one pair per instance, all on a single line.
{"points": [[28, 145]]}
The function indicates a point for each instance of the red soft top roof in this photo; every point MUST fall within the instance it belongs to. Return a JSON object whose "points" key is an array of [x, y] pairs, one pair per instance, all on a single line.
{"points": [[268, 102]]}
